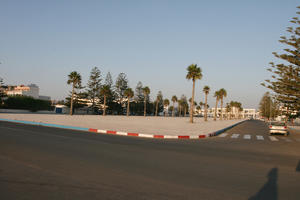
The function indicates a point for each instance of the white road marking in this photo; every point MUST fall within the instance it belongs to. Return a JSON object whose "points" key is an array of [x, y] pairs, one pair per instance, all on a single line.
{"points": [[259, 137], [287, 140], [272, 138], [247, 137], [223, 135], [235, 135]]}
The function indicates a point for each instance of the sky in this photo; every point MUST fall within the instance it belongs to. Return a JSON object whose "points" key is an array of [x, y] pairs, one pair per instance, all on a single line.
{"points": [[151, 41]]}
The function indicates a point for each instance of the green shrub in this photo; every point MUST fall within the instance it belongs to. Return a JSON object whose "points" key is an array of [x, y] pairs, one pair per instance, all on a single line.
{"points": [[26, 103]]}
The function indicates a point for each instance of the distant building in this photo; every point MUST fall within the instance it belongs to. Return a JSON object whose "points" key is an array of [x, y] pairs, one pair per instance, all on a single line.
{"points": [[31, 90]]}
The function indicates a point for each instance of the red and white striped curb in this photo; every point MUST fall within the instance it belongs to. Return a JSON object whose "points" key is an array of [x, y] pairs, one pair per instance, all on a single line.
{"points": [[152, 136]]}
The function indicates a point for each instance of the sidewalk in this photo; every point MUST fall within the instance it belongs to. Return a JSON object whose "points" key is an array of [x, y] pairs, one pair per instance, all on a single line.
{"points": [[172, 126]]}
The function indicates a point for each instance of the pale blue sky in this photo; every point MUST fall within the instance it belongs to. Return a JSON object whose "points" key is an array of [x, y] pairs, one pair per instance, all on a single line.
{"points": [[232, 41]]}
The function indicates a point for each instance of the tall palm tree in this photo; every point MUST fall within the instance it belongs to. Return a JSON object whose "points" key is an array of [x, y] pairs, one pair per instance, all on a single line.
{"points": [[166, 104], [217, 95], [129, 94], [206, 90], [223, 94], [158, 99], [75, 80], [146, 91], [105, 92], [194, 73], [174, 100], [179, 107]]}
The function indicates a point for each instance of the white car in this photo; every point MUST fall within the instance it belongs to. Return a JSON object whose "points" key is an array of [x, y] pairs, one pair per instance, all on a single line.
{"points": [[278, 127]]}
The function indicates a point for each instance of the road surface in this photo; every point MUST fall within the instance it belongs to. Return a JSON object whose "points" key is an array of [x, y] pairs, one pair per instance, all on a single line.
{"points": [[243, 163]]}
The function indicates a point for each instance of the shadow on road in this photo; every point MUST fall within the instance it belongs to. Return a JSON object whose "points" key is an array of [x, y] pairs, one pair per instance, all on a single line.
{"points": [[298, 167], [269, 190]]}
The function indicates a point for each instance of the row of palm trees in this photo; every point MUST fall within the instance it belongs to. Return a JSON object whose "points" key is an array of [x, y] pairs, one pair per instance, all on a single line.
{"points": [[194, 73]]}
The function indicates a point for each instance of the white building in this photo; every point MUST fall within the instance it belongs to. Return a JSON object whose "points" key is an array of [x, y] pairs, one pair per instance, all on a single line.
{"points": [[31, 90]]}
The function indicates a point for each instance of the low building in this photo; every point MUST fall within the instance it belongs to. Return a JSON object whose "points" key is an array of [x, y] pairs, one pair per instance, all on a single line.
{"points": [[31, 90]]}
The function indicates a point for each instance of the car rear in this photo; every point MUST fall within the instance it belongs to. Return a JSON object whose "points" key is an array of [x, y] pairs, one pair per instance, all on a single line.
{"points": [[278, 127]]}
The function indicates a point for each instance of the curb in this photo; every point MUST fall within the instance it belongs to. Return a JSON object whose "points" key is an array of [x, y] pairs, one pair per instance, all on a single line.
{"points": [[125, 133]]}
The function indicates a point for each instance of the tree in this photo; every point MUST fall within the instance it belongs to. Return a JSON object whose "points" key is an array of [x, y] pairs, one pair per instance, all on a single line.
{"points": [[285, 81], [105, 92], [166, 104], [217, 95], [174, 100], [2, 93], [146, 91], [206, 90], [194, 73], [94, 85], [120, 86], [129, 94], [75, 80], [223, 94], [183, 104], [108, 80], [268, 106], [159, 99]]}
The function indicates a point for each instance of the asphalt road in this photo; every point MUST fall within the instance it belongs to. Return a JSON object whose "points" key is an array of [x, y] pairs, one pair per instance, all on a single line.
{"points": [[49, 163]]}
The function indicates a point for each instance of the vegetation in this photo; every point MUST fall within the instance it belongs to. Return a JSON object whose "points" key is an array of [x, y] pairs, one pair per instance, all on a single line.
{"points": [[174, 100], [206, 90], [94, 85], [166, 104], [194, 73], [268, 106], [26, 103], [217, 95], [129, 94], [158, 101], [75, 80], [146, 91], [105, 92], [222, 93], [285, 79]]}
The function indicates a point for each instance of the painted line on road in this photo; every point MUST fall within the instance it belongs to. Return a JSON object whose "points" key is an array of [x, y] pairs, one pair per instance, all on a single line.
{"points": [[235, 136], [259, 137], [287, 140], [273, 139], [223, 135], [247, 137]]}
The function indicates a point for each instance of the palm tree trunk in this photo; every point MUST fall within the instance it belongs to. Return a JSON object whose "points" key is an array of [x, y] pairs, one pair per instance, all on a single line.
{"points": [[179, 113], [72, 97], [128, 107], [221, 108], [192, 103], [145, 107], [215, 117], [156, 108], [173, 111], [104, 109], [205, 111], [184, 111]]}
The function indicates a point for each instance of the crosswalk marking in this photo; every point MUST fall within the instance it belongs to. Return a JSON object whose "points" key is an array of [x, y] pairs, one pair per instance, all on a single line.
{"points": [[272, 138], [247, 137], [223, 135], [287, 140], [259, 137], [235, 135]]}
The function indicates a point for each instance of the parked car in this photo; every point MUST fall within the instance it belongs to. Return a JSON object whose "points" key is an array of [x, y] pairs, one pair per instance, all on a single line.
{"points": [[278, 127]]}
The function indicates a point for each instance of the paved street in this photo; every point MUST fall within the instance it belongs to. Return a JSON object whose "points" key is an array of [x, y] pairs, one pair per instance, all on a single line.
{"points": [[242, 163]]}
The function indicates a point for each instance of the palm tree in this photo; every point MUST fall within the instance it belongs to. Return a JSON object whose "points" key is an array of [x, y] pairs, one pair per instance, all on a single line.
{"points": [[166, 104], [201, 104], [129, 94], [146, 91], [174, 99], [194, 73], [75, 80], [223, 94], [105, 92], [179, 107], [206, 90], [158, 99], [217, 95]]}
